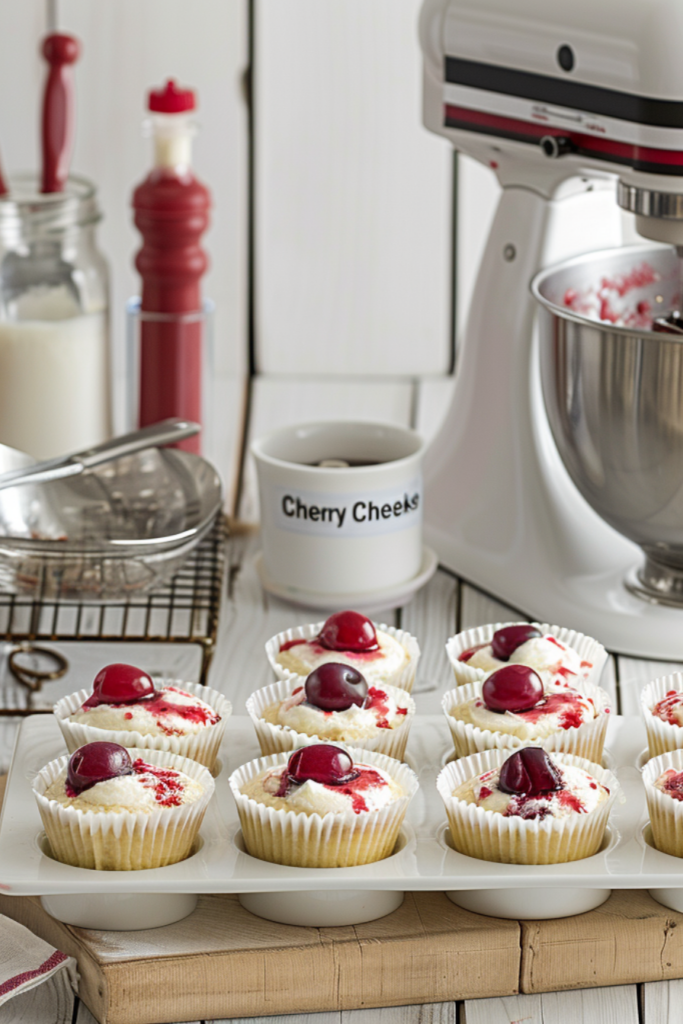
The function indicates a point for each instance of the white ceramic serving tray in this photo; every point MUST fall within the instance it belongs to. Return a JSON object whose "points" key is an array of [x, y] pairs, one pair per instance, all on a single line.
{"points": [[424, 859]]}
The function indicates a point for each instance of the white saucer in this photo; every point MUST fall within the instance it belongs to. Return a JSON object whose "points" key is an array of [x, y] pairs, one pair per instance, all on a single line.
{"points": [[370, 601]]}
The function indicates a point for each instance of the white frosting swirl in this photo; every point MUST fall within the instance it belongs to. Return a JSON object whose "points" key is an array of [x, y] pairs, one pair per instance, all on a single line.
{"points": [[377, 666], [316, 798], [352, 724], [135, 793], [580, 794], [554, 661], [140, 717]]}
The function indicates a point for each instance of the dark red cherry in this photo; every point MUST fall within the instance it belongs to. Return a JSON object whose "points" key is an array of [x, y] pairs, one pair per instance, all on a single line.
{"points": [[506, 640], [348, 631], [335, 687], [529, 772], [120, 684], [512, 688], [321, 762], [96, 762]]}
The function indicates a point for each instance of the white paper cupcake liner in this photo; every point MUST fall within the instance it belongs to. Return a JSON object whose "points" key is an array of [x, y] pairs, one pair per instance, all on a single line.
{"points": [[666, 813], [661, 736], [586, 647], [587, 740], [127, 840], [403, 678], [491, 836], [322, 841], [273, 739], [201, 746]]}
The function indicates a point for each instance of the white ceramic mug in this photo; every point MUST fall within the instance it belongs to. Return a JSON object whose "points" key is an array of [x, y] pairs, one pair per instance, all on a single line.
{"points": [[350, 530]]}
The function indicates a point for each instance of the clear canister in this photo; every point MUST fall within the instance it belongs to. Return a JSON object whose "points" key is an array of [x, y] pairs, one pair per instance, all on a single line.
{"points": [[54, 344]]}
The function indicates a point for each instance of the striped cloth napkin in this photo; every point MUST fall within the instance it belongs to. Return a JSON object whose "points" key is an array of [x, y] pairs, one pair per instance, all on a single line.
{"points": [[27, 961]]}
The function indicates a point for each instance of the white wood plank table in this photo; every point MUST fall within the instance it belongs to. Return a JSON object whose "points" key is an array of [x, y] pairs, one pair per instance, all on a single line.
{"points": [[446, 605]]}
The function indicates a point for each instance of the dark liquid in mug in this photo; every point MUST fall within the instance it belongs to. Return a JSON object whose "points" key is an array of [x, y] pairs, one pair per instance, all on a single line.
{"points": [[348, 463]]}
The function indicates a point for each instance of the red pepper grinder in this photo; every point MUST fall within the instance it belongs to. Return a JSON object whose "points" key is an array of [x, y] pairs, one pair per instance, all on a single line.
{"points": [[171, 212]]}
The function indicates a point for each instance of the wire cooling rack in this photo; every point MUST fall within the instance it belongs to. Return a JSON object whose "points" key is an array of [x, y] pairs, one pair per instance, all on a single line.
{"points": [[183, 612]]}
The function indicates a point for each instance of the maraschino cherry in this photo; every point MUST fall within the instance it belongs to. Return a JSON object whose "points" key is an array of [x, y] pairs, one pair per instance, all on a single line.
{"points": [[321, 762], [512, 688], [120, 684], [529, 772], [348, 631], [336, 687], [97, 762], [506, 640]]}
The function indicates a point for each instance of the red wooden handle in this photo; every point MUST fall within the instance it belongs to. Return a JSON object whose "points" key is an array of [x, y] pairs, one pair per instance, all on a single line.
{"points": [[58, 110]]}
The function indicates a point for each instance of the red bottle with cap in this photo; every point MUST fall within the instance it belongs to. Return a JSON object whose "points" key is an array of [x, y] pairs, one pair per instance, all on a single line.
{"points": [[171, 212]]}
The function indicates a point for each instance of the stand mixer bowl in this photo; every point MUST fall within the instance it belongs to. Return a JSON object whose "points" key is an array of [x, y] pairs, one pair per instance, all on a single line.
{"points": [[613, 392]]}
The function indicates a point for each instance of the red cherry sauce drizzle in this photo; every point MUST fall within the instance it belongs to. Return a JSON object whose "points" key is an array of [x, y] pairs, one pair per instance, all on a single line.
{"points": [[166, 783], [159, 706], [366, 779], [466, 655], [665, 708], [377, 703], [565, 705], [361, 656], [287, 646], [673, 784], [538, 807]]}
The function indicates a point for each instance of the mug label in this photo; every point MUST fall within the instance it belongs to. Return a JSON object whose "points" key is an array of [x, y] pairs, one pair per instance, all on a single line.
{"points": [[347, 515]]}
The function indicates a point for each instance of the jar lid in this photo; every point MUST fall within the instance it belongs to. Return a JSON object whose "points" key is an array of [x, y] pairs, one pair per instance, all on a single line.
{"points": [[171, 99]]}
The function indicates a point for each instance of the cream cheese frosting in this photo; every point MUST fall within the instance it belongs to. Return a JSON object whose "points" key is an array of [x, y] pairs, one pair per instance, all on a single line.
{"points": [[148, 789], [560, 708], [302, 656], [670, 782], [170, 711], [387, 709], [553, 660], [670, 708], [580, 793], [371, 791]]}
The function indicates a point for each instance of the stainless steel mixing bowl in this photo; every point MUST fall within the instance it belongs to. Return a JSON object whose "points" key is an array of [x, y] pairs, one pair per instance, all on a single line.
{"points": [[613, 391]]}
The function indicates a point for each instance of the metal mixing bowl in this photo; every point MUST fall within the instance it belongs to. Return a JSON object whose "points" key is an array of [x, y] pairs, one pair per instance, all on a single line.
{"points": [[614, 396], [115, 531]]}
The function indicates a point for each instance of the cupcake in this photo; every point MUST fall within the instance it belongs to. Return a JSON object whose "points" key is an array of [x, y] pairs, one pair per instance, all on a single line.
{"points": [[382, 653], [514, 706], [334, 703], [661, 705], [529, 807], [126, 707], [663, 781], [322, 806], [562, 656], [117, 809]]}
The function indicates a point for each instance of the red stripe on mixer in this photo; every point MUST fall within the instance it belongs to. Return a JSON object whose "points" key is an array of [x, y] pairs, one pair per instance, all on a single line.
{"points": [[494, 124]]}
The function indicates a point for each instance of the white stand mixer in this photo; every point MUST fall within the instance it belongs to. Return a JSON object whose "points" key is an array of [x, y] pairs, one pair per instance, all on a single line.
{"points": [[558, 99]]}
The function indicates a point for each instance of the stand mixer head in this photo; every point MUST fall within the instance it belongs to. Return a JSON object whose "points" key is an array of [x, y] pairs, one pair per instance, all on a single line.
{"points": [[561, 101]]}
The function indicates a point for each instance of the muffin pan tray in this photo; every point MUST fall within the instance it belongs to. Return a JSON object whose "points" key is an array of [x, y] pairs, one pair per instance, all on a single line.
{"points": [[423, 859]]}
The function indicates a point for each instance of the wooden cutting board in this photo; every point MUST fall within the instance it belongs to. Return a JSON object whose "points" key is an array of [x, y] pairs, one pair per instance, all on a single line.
{"points": [[224, 962]]}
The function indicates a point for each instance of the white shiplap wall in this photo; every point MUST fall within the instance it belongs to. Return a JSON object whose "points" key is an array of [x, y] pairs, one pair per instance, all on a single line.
{"points": [[129, 46], [353, 196]]}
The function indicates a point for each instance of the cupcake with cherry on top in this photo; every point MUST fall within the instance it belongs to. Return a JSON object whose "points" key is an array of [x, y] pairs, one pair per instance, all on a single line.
{"points": [[382, 653], [663, 780], [661, 707], [335, 703], [514, 706], [561, 656], [128, 707], [113, 808], [322, 806], [528, 807]]}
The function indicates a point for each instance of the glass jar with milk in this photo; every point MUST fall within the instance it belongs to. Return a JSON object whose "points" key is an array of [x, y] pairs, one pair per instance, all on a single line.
{"points": [[54, 350]]}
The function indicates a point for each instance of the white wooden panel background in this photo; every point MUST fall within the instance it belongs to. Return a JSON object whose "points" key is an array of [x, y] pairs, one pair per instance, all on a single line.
{"points": [[128, 47], [353, 196]]}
